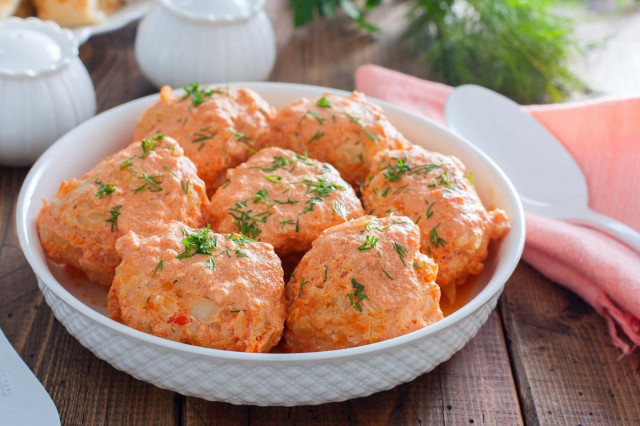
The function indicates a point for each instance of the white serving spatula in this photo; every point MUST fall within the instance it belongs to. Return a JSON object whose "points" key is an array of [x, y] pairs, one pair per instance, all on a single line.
{"points": [[547, 178], [23, 400]]}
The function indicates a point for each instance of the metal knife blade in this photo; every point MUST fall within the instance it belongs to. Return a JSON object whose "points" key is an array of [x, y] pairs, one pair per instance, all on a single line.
{"points": [[23, 400]]}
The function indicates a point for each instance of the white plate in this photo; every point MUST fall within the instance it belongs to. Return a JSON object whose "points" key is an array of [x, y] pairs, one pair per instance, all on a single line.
{"points": [[260, 379], [132, 10]]}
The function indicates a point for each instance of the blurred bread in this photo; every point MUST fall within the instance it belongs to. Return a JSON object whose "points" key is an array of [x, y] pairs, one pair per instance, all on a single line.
{"points": [[73, 13], [8, 8]]}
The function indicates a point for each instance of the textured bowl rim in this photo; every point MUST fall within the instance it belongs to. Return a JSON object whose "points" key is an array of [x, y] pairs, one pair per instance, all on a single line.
{"points": [[62, 36], [493, 287]]}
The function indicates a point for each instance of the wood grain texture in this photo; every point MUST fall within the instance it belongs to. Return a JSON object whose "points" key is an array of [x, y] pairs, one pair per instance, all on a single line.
{"points": [[567, 370]]}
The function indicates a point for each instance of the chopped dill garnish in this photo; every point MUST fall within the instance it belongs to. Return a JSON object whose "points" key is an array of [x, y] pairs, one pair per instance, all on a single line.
{"points": [[315, 115], [239, 253], [210, 263], [197, 94], [370, 134], [169, 170], [401, 250], [126, 163], [424, 169], [430, 209], [358, 294], [240, 137], [303, 282], [415, 265], [368, 227], [326, 270], [323, 103], [236, 311], [113, 220], [274, 178], [395, 171], [159, 267], [402, 188], [248, 222], [278, 162], [261, 196], [201, 138], [239, 239], [470, 178], [361, 158], [289, 201], [226, 183], [297, 225], [320, 190], [104, 188], [200, 242], [436, 240], [286, 222], [185, 186], [315, 137], [387, 274], [369, 243], [148, 145], [150, 182], [354, 118], [303, 159]]}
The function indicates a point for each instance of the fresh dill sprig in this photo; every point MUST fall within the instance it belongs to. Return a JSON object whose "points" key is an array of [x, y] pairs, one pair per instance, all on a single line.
{"points": [[248, 222], [401, 250], [198, 94], [113, 219], [315, 137], [199, 242], [278, 162], [303, 282], [357, 294], [150, 182], [369, 243], [436, 240], [185, 186], [319, 190], [104, 188], [159, 268], [395, 171], [323, 102], [201, 138]]}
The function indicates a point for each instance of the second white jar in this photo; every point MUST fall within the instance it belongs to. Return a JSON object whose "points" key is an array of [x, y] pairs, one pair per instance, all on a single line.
{"points": [[206, 41]]}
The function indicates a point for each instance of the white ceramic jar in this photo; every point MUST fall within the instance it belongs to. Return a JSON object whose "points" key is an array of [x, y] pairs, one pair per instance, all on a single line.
{"points": [[206, 41], [45, 90]]}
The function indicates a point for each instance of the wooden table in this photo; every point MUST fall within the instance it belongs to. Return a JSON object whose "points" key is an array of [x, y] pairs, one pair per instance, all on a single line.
{"points": [[544, 356]]}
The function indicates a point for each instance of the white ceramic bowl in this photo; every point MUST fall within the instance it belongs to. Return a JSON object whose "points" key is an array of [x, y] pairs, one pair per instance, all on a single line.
{"points": [[260, 379], [180, 41], [45, 90]]}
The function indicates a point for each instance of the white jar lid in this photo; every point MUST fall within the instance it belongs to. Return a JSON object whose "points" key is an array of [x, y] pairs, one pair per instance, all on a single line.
{"points": [[215, 10], [31, 47]]}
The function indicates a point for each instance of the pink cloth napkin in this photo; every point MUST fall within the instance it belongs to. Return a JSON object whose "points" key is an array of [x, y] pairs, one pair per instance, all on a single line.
{"points": [[604, 138]]}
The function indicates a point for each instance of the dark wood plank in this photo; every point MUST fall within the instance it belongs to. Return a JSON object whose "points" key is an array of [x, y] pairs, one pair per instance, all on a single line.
{"points": [[567, 370]]}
